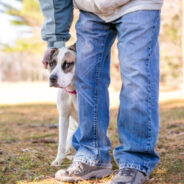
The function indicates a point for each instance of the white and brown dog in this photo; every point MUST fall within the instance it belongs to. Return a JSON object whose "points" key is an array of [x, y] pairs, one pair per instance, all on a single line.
{"points": [[61, 64]]}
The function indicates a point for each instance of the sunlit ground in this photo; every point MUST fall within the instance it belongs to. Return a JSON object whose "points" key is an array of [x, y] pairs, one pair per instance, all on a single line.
{"points": [[40, 92], [28, 135]]}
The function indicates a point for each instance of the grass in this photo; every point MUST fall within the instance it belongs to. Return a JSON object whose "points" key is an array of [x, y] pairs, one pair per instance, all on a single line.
{"points": [[28, 145]]}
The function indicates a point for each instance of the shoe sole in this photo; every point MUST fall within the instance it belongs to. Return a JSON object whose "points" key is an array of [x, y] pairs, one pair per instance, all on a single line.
{"points": [[97, 174], [111, 182], [94, 174]]}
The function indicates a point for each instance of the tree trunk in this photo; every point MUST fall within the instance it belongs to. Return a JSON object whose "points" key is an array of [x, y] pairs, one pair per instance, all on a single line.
{"points": [[182, 47]]}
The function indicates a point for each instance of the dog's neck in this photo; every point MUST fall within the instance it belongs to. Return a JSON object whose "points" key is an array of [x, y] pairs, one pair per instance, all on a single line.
{"points": [[71, 89]]}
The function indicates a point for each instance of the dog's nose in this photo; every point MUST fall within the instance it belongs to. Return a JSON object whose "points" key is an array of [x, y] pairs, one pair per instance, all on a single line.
{"points": [[53, 78]]}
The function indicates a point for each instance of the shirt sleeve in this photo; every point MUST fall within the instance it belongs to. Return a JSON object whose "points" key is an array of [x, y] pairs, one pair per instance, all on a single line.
{"points": [[58, 16]]}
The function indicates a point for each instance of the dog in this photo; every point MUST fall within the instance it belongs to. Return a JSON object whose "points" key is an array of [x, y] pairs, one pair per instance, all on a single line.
{"points": [[61, 64]]}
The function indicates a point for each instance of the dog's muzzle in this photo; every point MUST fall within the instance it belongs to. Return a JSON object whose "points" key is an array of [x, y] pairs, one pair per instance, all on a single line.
{"points": [[53, 79]]}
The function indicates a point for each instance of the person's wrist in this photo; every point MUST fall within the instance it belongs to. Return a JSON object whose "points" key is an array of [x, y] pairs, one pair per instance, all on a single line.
{"points": [[56, 44]]}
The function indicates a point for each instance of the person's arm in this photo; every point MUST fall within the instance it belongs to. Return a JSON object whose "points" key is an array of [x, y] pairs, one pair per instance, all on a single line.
{"points": [[58, 16]]}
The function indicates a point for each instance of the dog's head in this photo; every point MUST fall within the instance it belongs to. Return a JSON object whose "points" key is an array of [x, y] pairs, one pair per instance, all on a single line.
{"points": [[61, 64]]}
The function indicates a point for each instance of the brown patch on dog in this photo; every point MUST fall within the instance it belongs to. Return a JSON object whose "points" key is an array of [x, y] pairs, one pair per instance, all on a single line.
{"points": [[52, 61], [55, 53], [69, 56], [69, 61]]}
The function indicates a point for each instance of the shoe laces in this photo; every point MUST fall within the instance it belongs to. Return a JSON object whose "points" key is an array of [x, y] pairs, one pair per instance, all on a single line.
{"points": [[124, 172], [76, 168]]}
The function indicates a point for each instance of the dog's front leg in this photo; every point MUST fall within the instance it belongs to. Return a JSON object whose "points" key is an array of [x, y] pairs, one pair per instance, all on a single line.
{"points": [[63, 131]]}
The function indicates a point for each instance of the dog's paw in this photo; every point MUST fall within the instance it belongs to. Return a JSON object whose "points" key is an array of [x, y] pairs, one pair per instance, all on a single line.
{"points": [[57, 162]]}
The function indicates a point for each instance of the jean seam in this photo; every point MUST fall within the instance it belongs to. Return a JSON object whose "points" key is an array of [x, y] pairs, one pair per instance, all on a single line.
{"points": [[149, 85], [90, 102], [99, 63], [89, 67]]}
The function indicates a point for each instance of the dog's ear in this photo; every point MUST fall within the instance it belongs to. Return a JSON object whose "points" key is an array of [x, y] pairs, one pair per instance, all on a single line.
{"points": [[72, 47], [48, 55], [53, 52]]}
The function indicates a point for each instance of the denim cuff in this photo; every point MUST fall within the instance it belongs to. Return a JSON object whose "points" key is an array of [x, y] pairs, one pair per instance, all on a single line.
{"points": [[57, 44], [134, 166], [92, 162]]}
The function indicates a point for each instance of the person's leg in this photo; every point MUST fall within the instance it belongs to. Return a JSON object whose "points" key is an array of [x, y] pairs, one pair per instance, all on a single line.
{"points": [[94, 40], [138, 122], [92, 78]]}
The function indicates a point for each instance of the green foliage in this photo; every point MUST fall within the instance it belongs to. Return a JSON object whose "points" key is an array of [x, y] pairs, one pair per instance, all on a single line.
{"points": [[18, 22], [172, 32], [30, 6], [28, 15], [26, 45]]}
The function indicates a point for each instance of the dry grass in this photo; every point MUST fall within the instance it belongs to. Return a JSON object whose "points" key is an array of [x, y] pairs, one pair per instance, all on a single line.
{"points": [[28, 144]]}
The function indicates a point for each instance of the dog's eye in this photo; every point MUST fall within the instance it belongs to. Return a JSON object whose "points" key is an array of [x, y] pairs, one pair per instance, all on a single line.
{"points": [[51, 64], [67, 65]]}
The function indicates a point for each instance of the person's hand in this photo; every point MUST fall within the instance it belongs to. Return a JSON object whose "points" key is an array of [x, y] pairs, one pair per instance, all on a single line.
{"points": [[47, 57]]}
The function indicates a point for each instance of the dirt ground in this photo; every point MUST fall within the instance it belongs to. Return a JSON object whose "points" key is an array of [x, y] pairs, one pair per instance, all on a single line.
{"points": [[28, 144]]}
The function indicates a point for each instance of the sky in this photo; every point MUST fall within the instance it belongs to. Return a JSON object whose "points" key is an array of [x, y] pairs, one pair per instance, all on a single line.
{"points": [[8, 32]]}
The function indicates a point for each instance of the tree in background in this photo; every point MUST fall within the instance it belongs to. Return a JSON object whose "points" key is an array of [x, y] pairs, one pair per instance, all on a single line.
{"points": [[23, 61], [28, 15], [170, 43], [183, 45]]}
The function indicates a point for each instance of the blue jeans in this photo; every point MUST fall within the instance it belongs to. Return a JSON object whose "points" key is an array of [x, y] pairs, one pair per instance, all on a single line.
{"points": [[137, 121]]}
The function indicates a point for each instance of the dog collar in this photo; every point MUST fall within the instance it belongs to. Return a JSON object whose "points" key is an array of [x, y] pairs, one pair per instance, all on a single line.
{"points": [[71, 92]]}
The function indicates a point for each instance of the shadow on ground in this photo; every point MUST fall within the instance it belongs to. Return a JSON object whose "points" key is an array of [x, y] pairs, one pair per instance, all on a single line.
{"points": [[28, 144]]}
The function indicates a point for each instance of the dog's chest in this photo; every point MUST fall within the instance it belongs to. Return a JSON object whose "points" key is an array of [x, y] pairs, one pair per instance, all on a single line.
{"points": [[67, 104]]}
